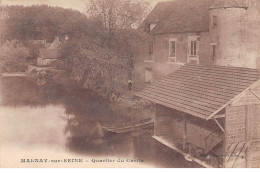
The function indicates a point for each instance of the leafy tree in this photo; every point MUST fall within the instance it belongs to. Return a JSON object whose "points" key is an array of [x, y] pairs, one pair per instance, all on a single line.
{"points": [[13, 56], [103, 60], [43, 22], [101, 45], [100, 67]]}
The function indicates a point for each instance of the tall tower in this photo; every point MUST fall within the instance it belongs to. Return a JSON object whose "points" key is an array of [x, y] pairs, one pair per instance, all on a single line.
{"points": [[234, 25]]}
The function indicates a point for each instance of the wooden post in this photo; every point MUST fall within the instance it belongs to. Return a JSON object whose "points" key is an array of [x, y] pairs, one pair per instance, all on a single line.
{"points": [[225, 141], [184, 131], [247, 133]]}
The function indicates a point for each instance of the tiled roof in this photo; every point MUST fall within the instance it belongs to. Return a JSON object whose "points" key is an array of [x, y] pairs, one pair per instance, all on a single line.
{"points": [[179, 16], [229, 4], [47, 53], [199, 90]]}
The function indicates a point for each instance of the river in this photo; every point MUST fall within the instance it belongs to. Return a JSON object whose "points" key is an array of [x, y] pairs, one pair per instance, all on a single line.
{"points": [[57, 124]]}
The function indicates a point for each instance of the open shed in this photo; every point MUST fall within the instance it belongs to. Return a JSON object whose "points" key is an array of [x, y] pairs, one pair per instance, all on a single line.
{"points": [[210, 114]]}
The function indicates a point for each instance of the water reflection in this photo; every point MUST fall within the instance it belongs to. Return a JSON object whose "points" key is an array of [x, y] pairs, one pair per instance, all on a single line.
{"points": [[69, 119]]}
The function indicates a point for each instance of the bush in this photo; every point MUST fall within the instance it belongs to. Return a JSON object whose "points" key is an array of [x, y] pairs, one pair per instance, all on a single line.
{"points": [[13, 56]]}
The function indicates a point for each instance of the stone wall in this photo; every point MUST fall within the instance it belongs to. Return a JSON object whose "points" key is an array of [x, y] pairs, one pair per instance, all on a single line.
{"points": [[243, 124], [236, 35], [235, 124]]}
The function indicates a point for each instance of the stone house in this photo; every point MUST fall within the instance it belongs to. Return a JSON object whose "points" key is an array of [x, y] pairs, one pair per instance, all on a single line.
{"points": [[49, 55], [220, 32]]}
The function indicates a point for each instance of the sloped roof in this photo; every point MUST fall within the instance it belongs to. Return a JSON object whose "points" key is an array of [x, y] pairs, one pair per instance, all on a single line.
{"points": [[48, 53], [179, 16], [199, 90], [161, 11], [229, 4]]}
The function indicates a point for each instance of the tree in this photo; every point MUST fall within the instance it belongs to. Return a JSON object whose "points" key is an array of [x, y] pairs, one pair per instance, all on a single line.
{"points": [[94, 65], [3, 18], [118, 13], [43, 22], [103, 58], [13, 56]]}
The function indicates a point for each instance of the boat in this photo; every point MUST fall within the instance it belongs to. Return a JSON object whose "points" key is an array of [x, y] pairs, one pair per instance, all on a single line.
{"points": [[127, 126]]}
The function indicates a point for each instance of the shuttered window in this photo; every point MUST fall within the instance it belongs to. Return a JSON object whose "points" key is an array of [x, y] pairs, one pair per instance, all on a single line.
{"points": [[213, 52], [151, 47], [214, 21], [172, 49]]}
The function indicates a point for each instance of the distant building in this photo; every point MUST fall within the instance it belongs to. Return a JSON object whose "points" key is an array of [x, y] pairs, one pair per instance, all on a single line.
{"points": [[220, 32], [38, 42], [55, 44], [47, 56], [50, 54]]}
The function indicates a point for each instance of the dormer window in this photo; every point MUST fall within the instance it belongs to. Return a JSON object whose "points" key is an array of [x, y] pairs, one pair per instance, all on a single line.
{"points": [[151, 27]]}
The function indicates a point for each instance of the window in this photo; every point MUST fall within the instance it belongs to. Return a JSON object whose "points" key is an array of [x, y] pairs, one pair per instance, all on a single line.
{"points": [[214, 21], [148, 75], [172, 50], [151, 27], [194, 47], [212, 52], [150, 47]]}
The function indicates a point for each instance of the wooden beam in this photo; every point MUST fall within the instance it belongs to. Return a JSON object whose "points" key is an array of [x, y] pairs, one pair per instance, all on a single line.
{"points": [[184, 132], [174, 147], [219, 125], [254, 94], [220, 116]]}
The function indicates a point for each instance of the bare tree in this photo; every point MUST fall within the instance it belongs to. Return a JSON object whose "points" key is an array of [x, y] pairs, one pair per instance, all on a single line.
{"points": [[118, 13]]}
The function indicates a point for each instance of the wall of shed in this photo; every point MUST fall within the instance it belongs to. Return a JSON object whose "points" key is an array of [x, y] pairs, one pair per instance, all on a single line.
{"points": [[243, 124], [235, 124], [169, 124]]}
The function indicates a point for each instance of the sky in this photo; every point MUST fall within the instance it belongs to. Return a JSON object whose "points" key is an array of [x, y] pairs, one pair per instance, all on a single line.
{"points": [[74, 4]]}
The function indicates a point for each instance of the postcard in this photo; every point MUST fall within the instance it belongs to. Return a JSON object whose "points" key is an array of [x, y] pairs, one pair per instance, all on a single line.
{"points": [[130, 84]]}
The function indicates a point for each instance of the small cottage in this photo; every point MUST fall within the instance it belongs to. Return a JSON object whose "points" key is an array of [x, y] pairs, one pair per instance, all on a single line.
{"points": [[209, 114], [47, 56]]}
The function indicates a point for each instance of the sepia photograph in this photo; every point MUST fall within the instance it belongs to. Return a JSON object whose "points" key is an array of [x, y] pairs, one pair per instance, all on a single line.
{"points": [[129, 84]]}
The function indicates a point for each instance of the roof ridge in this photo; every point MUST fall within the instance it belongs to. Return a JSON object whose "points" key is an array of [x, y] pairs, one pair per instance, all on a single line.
{"points": [[222, 66]]}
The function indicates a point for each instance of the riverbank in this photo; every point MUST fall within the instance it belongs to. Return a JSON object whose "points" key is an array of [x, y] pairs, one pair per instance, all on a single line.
{"points": [[64, 123], [127, 108]]}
